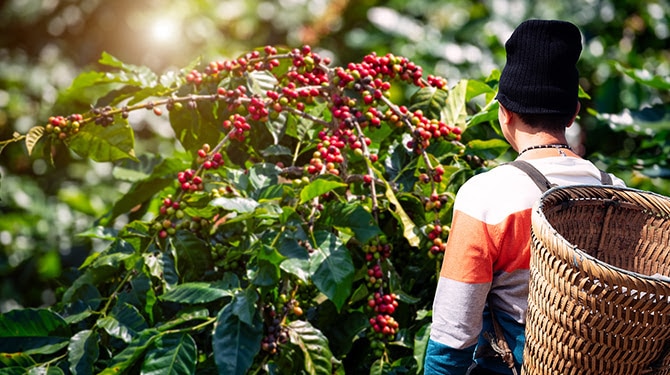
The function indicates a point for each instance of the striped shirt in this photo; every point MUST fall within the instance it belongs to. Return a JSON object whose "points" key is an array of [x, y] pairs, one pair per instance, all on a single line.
{"points": [[488, 252]]}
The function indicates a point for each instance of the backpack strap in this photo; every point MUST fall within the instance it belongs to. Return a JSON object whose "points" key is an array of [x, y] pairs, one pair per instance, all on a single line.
{"points": [[542, 182], [534, 174], [605, 178]]}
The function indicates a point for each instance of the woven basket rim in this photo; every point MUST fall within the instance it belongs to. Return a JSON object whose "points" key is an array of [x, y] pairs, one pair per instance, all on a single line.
{"points": [[619, 192]]}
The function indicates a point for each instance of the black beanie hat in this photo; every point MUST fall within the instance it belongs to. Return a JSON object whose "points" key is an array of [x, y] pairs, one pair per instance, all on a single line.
{"points": [[540, 76]]}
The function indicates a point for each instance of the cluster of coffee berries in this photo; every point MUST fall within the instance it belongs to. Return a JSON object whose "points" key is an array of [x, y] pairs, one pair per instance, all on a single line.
{"points": [[328, 150], [104, 116], [426, 129], [437, 174], [377, 249], [375, 277], [238, 126], [434, 201], [209, 161], [306, 67], [189, 181], [62, 126], [227, 258], [274, 333], [436, 234], [217, 70]]}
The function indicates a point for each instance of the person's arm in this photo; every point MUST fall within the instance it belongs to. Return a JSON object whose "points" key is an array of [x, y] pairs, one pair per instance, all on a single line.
{"points": [[462, 290]]}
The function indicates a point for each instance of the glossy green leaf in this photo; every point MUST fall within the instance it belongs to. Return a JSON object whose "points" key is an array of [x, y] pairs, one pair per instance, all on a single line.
{"points": [[193, 255], [198, 292], [319, 187], [314, 346], [421, 344], [124, 323], [430, 100], [185, 315], [455, 112], [122, 361], [237, 204], [104, 143], [645, 77], [171, 354], [649, 120], [244, 305], [331, 267], [476, 88], [42, 370], [488, 149], [83, 352], [263, 175], [16, 361], [235, 343], [297, 258], [36, 330], [260, 82], [352, 218]]}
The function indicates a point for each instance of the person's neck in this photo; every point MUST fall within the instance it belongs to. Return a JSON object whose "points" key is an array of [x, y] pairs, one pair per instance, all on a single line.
{"points": [[541, 146]]}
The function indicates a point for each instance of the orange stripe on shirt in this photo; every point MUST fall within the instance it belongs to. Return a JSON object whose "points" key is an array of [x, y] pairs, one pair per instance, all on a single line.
{"points": [[476, 250]]}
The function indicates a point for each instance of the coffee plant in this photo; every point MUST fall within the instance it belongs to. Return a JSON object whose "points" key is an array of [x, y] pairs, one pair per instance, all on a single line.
{"points": [[299, 229]]}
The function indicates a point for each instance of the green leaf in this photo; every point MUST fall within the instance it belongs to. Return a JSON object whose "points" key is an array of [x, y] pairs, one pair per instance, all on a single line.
{"points": [[351, 218], [198, 292], [319, 187], [260, 82], [455, 112], [331, 267], [18, 361], [649, 120], [140, 76], [193, 255], [235, 343], [34, 135], [476, 88], [184, 316], [124, 323], [128, 356], [488, 149], [45, 370], [244, 305], [83, 351], [162, 175], [104, 143], [430, 100], [420, 345], [297, 258], [314, 346], [645, 77], [171, 354], [263, 175], [237, 204], [31, 329]]}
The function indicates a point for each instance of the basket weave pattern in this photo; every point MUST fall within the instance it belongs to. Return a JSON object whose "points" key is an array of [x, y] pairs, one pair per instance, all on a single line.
{"points": [[598, 303]]}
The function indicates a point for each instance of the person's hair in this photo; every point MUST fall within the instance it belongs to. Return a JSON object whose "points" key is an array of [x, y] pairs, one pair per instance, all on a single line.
{"points": [[548, 122]]}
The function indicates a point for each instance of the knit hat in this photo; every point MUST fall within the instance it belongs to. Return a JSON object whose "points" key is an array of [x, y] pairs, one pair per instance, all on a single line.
{"points": [[540, 76]]}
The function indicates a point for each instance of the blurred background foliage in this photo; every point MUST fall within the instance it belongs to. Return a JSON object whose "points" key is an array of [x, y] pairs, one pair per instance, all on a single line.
{"points": [[45, 210]]}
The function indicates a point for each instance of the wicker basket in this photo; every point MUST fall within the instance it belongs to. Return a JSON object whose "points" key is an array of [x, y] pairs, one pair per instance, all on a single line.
{"points": [[599, 298]]}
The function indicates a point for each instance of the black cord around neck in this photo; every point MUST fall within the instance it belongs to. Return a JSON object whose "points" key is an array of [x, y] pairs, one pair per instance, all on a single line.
{"points": [[557, 146]]}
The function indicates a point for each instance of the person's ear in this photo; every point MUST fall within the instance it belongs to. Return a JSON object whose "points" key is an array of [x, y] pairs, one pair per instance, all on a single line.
{"points": [[504, 115], [574, 117]]}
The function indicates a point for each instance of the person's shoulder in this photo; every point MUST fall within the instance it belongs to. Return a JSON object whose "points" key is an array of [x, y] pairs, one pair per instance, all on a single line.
{"points": [[503, 175], [497, 183]]}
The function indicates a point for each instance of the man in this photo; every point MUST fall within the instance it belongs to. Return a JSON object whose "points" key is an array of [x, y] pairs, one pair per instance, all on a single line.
{"points": [[486, 264]]}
